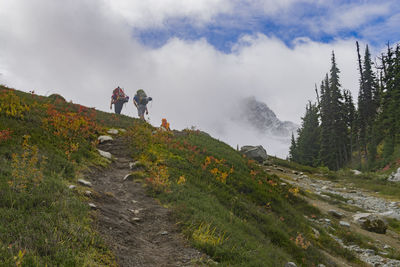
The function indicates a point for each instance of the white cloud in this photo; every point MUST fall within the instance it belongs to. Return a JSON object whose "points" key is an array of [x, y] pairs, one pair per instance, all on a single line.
{"points": [[153, 13], [352, 16], [83, 51]]}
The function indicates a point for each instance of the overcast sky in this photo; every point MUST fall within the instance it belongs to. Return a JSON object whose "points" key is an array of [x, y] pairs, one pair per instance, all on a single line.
{"points": [[196, 58]]}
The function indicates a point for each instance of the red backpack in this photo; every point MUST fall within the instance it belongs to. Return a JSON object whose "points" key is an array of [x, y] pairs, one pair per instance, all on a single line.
{"points": [[118, 93]]}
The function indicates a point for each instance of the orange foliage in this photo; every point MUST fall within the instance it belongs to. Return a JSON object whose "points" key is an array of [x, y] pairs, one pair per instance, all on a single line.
{"points": [[217, 168], [70, 127], [301, 242]]}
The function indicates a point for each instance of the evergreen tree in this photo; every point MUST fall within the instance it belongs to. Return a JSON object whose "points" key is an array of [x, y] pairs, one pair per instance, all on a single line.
{"points": [[349, 114], [326, 154], [306, 148], [293, 150], [334, 135], [368, 101]]}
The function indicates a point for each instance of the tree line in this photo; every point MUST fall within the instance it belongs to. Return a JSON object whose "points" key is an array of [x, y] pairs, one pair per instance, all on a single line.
{"points": [[336, 133]]}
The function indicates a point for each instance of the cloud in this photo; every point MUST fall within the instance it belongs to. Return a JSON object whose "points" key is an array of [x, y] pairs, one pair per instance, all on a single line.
{"points": [[83, 50], [352, 16], [153, 13]]}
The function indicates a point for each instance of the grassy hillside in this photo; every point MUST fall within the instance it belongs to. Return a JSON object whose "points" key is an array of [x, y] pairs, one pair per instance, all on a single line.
{"points": [[225, 204], [44, 143]]}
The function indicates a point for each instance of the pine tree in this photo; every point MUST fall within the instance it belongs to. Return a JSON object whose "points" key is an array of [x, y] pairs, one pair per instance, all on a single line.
{"points": [[334, 135], [349, 114], [293, 150], [326, 123], [368, 101], [307, 144]]}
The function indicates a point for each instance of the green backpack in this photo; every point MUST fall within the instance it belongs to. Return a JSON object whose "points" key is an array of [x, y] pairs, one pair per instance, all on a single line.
{"points": [[142, 97]]}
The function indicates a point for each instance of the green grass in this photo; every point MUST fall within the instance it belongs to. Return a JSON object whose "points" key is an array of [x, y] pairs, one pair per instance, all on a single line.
{"points": [[42, 222], [249, 220]]}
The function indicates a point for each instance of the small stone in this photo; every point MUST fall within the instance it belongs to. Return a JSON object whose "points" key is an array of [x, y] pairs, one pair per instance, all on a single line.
{"points": [[88, 193], [386, 247], [112, 131], [134, 201], [104, 138], [321, 265], [127, 176], [370, 252], [345, 224], [72, 186], [336, 214], [135, 219], [324, 187], [93, 206], [316, 233], [327, 220], [290, 264], [85, 183], [136, 212], [164, 233], [105, 154], [283, 184], [122, 130]]}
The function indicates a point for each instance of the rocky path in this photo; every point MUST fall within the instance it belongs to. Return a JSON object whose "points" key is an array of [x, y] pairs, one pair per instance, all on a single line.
{"points": [[346, 204], [137, 228]]}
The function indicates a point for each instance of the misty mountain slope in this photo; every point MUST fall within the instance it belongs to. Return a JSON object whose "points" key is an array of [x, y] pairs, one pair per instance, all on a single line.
{"points": [[258, 115]]}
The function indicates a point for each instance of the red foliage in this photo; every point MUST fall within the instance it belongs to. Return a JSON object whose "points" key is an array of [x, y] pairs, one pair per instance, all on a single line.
{"points": [[5, 135]]}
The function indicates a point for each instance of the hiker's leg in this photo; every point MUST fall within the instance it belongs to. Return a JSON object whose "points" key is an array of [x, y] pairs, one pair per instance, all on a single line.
{"points": [[141, 110], [118, 107]]}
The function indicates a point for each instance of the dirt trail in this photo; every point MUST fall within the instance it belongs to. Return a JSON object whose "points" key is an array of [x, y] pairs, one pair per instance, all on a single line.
{"points": [[138, 229]]}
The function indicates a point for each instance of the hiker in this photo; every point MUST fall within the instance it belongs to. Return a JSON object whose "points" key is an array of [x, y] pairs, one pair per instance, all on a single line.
{"points": [[140, 101], [118, 98]]}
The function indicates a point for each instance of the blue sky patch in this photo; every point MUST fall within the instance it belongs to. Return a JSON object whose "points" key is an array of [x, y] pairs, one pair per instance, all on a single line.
{"points": [[317, 22]]}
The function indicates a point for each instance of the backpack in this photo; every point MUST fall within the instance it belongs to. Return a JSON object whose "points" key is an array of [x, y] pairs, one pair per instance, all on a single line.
{"points": [[142, 97], [118, 94]]}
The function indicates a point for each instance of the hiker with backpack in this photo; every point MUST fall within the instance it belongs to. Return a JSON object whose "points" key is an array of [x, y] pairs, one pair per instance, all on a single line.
{"points": [[118, 98], [140, 101]]}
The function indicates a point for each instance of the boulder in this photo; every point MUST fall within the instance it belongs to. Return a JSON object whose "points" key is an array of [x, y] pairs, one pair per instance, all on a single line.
{"points": [[257, 153], [290, 264], [395, 176], [104, 138], [371, 222], [356, 172]]}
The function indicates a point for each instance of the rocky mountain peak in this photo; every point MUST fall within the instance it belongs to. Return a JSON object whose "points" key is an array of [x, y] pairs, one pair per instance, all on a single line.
{"points": [[261, 117]]}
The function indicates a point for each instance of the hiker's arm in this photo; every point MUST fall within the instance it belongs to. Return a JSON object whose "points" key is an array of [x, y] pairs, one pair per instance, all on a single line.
{"points": [[112, 102], [147, 112]]}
